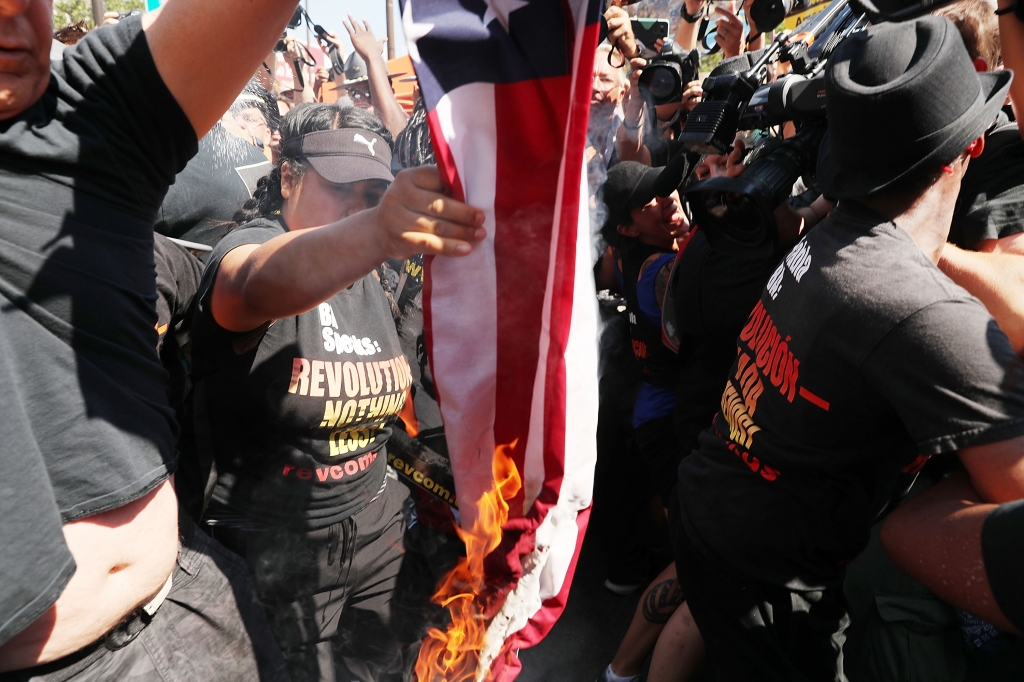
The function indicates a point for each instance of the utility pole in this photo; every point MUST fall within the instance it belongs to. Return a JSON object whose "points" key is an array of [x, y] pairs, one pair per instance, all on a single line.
{"points": [[98, 10], [391, 27], [306, 22]]}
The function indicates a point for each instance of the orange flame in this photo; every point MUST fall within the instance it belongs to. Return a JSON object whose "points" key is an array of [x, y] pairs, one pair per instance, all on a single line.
{"points": [[453, 656]]}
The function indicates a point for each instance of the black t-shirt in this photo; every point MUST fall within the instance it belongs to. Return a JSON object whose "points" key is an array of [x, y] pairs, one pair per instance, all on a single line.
{"points": [[711, 295], [860, 360], [177, 280], [991, 201], [297, 411], [86, 426], [202, 202]]}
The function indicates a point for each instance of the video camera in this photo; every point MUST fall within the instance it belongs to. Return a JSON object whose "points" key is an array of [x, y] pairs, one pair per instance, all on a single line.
{"points": [[737, 214]]}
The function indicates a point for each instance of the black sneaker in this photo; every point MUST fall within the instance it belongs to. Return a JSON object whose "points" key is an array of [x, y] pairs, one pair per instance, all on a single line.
{"points": [[623, 589]]}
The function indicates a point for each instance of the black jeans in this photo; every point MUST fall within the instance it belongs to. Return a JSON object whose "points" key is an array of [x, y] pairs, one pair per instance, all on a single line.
{"points": [[210, 627], [757, 631], [328, 592]]}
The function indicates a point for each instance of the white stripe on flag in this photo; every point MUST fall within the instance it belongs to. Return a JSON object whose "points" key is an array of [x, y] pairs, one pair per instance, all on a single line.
{"points": [[463, 308], [580, 414]]}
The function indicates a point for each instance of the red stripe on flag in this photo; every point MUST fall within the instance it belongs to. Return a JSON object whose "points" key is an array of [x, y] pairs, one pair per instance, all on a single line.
{"points": [[565, 265], [506, 666], [530, 117]]}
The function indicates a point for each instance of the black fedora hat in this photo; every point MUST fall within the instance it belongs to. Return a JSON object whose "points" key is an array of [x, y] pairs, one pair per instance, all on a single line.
{"points": [[902, 98]]}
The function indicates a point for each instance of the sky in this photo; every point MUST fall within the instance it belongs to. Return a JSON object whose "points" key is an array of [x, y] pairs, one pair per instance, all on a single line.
{"points": [[330, 13]]}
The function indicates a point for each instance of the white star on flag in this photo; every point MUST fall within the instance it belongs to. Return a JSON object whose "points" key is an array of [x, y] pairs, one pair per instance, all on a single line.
{"points": [[500, 9], [414, 31]]}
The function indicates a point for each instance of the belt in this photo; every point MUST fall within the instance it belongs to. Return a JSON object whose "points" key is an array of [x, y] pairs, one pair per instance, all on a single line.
{"points": [[136, 621], [120, 636]]}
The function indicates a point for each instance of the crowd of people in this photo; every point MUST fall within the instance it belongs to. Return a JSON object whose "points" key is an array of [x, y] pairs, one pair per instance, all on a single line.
{"points": [[220, 420], [810, 522]]}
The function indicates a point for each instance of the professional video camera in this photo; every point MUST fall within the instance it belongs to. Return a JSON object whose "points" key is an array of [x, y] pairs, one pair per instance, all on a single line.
{"points": [[737, 214]]}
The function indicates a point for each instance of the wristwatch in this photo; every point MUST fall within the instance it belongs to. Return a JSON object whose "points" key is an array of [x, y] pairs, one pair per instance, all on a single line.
{"points": [[1017, 9], [687, 17]]}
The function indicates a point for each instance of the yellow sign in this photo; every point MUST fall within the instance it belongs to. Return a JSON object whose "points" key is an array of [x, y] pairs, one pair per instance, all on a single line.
{"points": [[794, 20]]}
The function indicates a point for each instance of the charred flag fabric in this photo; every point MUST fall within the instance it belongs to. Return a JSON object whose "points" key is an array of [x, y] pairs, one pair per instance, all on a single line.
{"points": [[512, 329]]}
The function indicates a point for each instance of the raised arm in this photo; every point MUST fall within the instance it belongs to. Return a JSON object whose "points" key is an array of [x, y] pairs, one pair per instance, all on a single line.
{"points": [[686, 32], [206, 51], [383, 96], [294, 272]]}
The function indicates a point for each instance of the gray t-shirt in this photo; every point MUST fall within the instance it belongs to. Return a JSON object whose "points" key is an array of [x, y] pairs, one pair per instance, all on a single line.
{"points": [[86, 425]]}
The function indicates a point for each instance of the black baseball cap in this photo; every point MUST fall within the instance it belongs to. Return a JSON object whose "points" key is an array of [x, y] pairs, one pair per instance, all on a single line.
{"points": [[629, 185], [344, 155]]}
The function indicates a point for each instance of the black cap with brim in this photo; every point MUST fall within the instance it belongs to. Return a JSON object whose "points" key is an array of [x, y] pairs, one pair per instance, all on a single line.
{"points": [[629, 185], [344, 155], [888, 120]]}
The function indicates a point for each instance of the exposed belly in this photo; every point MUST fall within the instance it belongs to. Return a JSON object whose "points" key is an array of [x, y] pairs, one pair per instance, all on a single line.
{"points": [[123, 558]]}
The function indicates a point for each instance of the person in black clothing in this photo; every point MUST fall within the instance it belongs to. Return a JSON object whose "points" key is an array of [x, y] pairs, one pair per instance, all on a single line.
{"points": [[642, 230], [298, 370], [99, 575], [707, 299], [860, 361]]}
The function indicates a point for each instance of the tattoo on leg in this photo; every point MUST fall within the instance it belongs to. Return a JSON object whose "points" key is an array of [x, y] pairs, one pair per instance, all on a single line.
{"points": [[662, 600]]}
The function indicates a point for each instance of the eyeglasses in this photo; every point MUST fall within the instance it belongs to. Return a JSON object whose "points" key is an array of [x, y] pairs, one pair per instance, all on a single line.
{"points": [[252, 119]]}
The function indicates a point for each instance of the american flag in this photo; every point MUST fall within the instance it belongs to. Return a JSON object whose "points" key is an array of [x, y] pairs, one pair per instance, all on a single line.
{"points": [[511, 329]]}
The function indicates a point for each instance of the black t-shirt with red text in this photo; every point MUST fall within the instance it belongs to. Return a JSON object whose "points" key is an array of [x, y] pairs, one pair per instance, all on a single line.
{"points": [[861, 360], [298, 410]]}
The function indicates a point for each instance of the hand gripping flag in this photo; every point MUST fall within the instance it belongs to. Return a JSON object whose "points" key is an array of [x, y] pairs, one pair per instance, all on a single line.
{"points": [[511, 330]]}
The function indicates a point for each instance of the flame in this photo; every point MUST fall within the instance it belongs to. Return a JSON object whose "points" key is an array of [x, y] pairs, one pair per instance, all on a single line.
{"points": [[408, 415], [453, 656]]}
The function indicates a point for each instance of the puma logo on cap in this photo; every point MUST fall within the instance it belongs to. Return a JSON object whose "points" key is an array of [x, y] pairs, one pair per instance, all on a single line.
{"points": [[369, 143]]}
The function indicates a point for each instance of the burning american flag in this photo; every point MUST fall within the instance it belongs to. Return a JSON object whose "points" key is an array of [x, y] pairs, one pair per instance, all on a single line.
{"points": [[511, 329]]}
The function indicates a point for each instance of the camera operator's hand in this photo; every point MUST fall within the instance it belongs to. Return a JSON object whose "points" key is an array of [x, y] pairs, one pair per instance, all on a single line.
{"points": [[722, 165], [629, 145], [728, 32], [294, 52], [110, 18], [328, 39], [364, 42], [620, 32], [691, 95], [633, 104]]}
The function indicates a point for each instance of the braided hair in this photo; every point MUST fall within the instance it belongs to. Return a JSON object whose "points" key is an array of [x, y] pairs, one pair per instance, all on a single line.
{"points": [[303, 119], [413, 144]]}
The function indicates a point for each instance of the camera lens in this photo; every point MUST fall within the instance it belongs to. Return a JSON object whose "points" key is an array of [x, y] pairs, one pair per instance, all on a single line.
{"points": [[664, 81]]}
